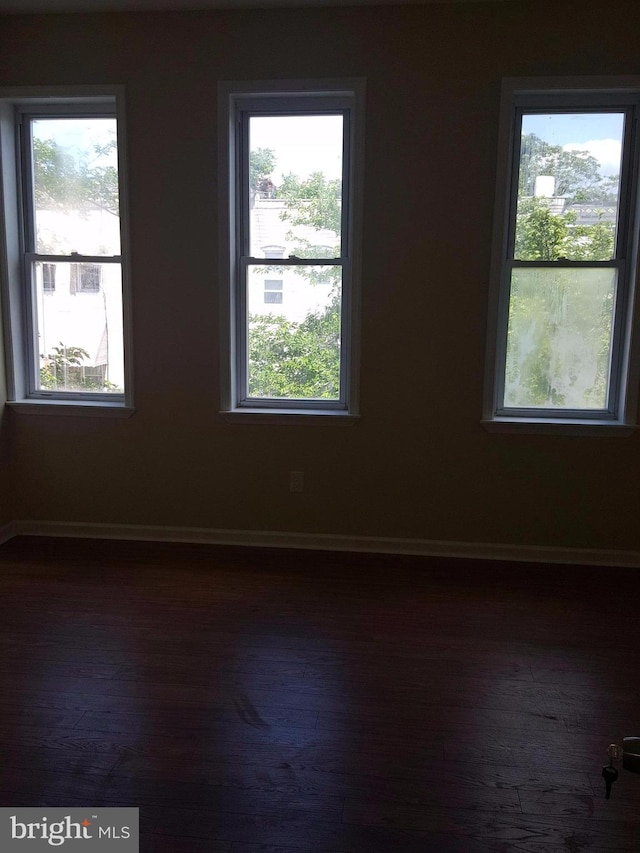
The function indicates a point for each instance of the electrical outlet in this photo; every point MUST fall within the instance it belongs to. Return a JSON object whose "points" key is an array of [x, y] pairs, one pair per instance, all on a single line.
{"points": [[296, 481]]}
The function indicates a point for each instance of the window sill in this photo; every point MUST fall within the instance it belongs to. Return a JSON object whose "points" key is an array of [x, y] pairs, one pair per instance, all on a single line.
{"points": [[305, 417], [75, 408], [555, 426]]}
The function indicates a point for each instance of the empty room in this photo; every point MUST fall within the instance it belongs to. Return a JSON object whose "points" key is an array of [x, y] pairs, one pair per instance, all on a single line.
{"points": [[319, 460]]}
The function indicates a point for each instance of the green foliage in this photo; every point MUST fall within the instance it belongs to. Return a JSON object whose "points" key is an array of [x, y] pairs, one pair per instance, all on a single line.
{"points": [[577, 173], [51, 166], [593, 242], [295, 360], [544, 236], [540, 235], [64, 370], [560, 318], [262, 162], [559, 337], [289, 360], [63, 183], [314, 201]]}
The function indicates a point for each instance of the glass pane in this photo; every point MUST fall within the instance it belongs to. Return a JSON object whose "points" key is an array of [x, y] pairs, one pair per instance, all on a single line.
{"points": [[79, 326], [568, 186], [295, 186], [559, 339], [75, 177], [294, 342]]}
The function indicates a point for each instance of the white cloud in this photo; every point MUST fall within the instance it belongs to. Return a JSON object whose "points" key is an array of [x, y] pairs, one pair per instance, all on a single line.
{"points": [[606, 151]]}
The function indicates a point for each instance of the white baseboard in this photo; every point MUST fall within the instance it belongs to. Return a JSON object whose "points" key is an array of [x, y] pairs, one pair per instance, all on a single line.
{"points": [[325, 542]]}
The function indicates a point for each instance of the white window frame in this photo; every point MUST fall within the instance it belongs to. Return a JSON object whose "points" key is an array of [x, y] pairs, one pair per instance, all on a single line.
{"points": [[520, 95], [19, 330], [236, 102]]}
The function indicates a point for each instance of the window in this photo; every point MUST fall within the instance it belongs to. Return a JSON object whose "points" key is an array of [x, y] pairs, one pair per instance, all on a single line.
{"points": [[273, 291], [85, 278], [48, 278], [90, 278], [564, 261], [291, 214], [61, 170]]}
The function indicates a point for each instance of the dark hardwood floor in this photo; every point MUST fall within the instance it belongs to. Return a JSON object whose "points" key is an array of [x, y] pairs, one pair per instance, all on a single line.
{"points": [[290, 702]]}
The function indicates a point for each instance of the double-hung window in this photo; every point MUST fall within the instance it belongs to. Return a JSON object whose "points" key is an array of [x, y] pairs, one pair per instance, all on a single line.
{"points": [[64, 273], [562, 353], [291, 163]]}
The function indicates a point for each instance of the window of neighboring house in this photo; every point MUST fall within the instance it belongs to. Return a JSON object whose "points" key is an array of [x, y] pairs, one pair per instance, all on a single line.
{"points": [[49, 278], [85, 278], [564, 261], [273, 291], [291, 207], [90, 278], [64, 176]]}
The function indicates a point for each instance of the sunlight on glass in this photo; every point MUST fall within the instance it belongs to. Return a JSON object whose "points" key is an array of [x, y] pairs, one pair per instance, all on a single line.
{"points": [[568, 186], [295, 185], [294, 332], [75, 177], [79, 327], [559, 338]]}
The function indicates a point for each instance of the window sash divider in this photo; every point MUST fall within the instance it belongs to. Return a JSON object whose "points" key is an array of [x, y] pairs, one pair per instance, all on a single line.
{"points": [[561, 263], [74, 259], [293, 262]]}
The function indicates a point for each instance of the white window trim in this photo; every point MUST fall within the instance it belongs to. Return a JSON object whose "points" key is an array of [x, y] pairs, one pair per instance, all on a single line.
{"points": [[308, 412], [622, 421], [12, 291]]}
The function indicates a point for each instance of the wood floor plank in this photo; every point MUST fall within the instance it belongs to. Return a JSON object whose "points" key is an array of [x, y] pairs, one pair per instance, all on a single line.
{"points": [[157, 793], [16, 715], [410, 671], [300, 829], [594, 807], [15, 755], [197, 722], [180, 844], [510, 828], [388, 785], [267, 848], [73, 741]]}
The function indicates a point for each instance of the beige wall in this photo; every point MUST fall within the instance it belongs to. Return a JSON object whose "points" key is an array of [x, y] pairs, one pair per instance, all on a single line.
{"points": [[418, 464]]}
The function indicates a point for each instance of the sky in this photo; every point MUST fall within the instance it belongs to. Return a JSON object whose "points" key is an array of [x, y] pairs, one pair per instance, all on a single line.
{"points": [[79, 135], [598, 133], [302, 144]]}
